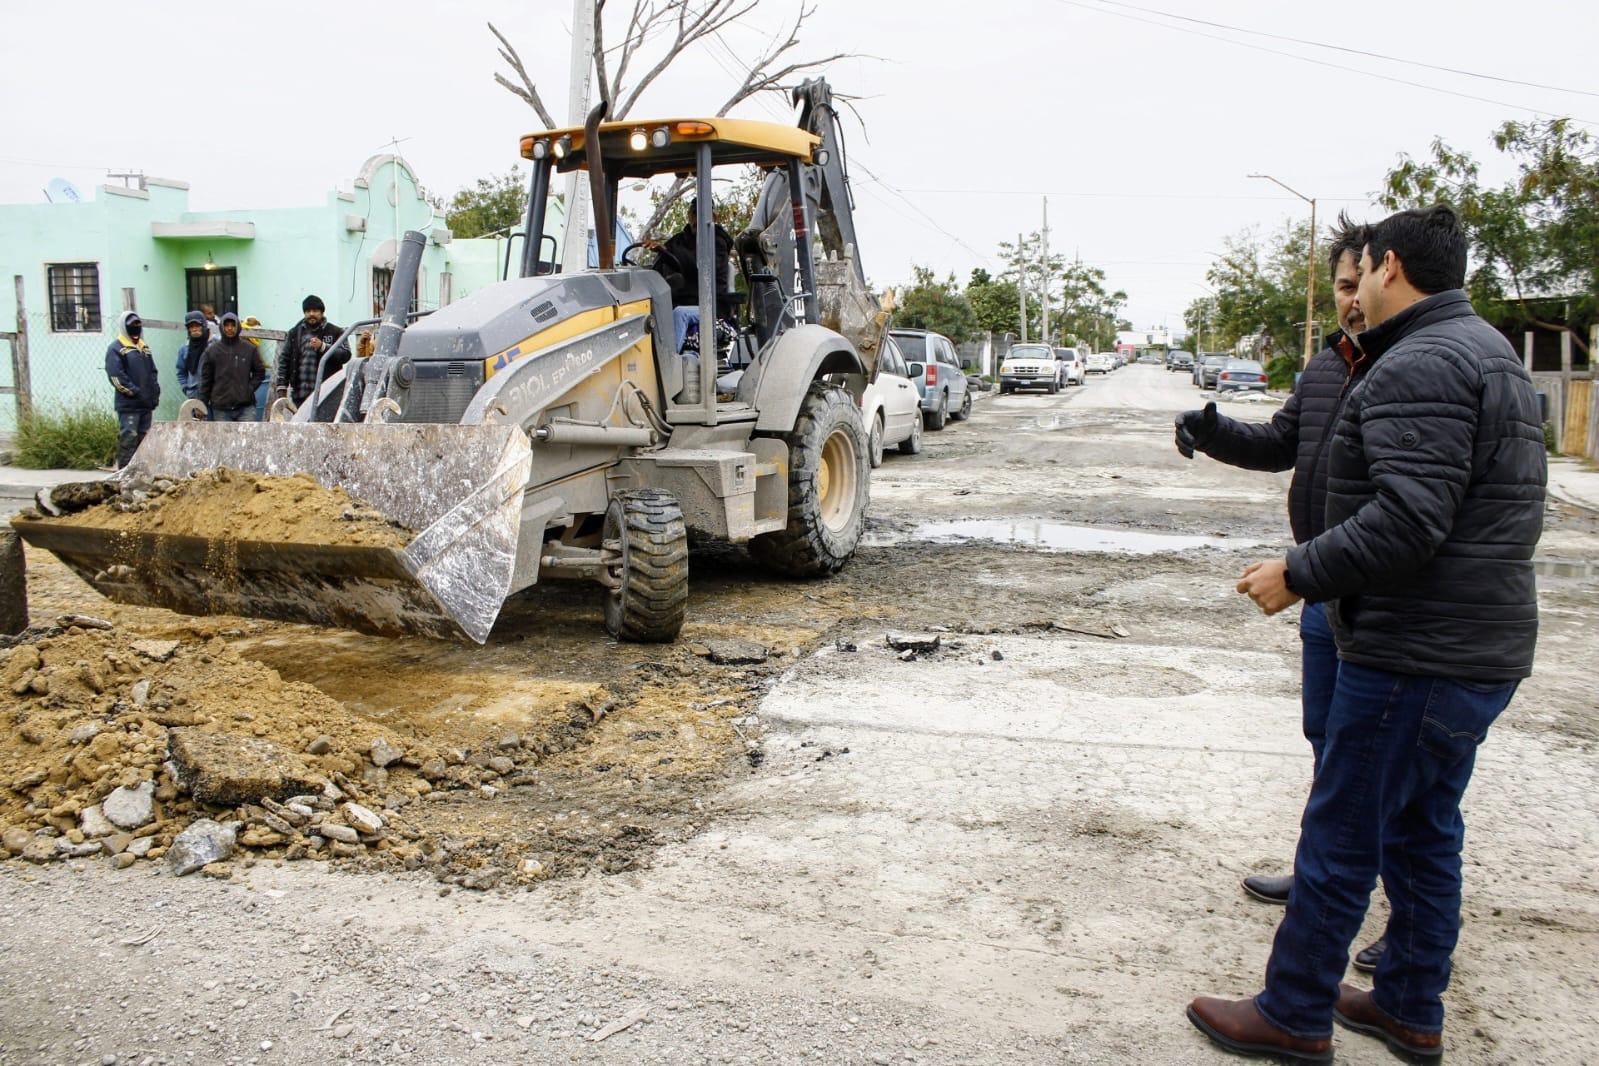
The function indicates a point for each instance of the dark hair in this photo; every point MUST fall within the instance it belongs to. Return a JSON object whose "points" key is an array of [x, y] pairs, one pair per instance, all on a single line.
{"points": [[1345, 236], [1429, 244]]}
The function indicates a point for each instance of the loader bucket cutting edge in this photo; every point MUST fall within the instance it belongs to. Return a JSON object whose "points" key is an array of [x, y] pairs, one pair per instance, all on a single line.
{"points": [[459, 487]]}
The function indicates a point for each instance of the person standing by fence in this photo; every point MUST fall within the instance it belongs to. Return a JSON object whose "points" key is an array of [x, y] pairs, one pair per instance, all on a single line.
{"points": [[230, 371], [131, 369]]}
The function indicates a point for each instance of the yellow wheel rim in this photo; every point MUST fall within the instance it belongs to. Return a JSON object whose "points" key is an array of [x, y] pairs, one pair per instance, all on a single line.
{"points": [[836, 481]]}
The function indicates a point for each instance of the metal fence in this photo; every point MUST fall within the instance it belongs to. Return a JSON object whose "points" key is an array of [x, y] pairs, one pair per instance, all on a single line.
{"points": [[67, 370]]}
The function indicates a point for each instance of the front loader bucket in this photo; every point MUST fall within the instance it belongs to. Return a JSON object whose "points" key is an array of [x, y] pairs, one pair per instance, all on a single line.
{"points": [[458, 487]]}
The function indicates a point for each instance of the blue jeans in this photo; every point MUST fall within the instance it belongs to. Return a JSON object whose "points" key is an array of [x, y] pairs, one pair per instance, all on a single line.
{"points": [[235, 414], [1398, 755], [1318, 673], [131, 428]]}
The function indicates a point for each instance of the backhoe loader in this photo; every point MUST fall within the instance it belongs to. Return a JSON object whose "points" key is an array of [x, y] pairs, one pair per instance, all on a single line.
{"points": [[547, 426]]}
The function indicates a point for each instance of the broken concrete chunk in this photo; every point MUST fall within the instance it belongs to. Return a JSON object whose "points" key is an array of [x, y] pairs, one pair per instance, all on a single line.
{"points": [[141, 692], [202, 844], [341, 833], [228, 769], [735, 652], [382, 752], [363, 819], [84, 733], [130, 807], [158, 650], [94, 823]]}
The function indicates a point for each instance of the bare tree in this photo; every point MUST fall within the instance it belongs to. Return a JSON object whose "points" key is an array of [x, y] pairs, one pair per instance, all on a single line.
{"points": [[656, 34]]}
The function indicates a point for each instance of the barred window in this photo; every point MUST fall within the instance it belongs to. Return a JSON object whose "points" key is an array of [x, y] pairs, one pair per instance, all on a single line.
{"points": [[75, 297], [382, 281]]}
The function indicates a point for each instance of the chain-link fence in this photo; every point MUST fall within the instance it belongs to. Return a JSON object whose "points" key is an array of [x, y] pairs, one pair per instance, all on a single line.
{"points": [[67, 370]]}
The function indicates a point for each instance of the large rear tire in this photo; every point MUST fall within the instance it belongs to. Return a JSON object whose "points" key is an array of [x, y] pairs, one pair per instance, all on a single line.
{"points": [[650, 597], [827, 488]]}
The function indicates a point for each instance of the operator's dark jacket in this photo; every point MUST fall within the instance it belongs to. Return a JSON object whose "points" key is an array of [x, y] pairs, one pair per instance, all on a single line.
{"points": [[1435, 495], [230, 371], [296, 369], [1296, 435]]}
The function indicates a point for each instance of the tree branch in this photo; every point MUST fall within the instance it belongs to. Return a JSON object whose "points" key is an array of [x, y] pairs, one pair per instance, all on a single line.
{"points": [[527, 90]]}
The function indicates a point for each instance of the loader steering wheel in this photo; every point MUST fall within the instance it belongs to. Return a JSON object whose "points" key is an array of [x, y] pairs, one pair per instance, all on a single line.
{"points": [[629, 250]]}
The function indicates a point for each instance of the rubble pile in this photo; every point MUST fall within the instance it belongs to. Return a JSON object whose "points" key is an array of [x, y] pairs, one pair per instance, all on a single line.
{"points": [[187, 753]]}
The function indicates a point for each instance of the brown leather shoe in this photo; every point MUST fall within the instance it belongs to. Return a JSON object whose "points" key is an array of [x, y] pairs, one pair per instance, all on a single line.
{"points": [[1236, 1025], [1356, 1011]]}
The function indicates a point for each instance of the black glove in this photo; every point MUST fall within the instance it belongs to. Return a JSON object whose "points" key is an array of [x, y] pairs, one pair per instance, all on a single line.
{"points": [[1195, 429]]}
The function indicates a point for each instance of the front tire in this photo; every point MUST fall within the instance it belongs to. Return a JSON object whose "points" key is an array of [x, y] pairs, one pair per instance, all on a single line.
{"points": [[912, 445], [874, 443], [828, 478], [649, 597]]}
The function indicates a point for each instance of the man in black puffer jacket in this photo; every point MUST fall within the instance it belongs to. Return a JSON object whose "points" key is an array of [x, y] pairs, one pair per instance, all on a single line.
{"points": [[1296, 437], [1435, 493], [230, 372], [302, 349]]}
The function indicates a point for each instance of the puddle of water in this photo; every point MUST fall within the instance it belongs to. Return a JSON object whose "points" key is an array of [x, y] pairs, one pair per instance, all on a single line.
{"points": [[1056, 536], [1564, 568]]}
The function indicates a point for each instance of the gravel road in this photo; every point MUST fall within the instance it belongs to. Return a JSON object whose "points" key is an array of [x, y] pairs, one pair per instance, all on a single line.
{"points": [[1021, 847]]}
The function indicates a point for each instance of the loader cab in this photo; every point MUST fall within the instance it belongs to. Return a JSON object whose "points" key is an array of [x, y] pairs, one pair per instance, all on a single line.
{"points": [[777, 294]]}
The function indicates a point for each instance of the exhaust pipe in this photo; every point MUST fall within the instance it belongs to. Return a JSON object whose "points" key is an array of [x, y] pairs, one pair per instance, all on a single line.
{"points": [[383, 375]]}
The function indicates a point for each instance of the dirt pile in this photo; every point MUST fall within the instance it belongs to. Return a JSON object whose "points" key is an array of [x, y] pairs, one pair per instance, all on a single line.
{"points": [[114, 745], [226, 504]]}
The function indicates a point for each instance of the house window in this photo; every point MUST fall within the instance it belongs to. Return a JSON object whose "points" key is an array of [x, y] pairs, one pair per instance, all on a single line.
{"points": [[382, 280], [75, 297], [218, 287]]}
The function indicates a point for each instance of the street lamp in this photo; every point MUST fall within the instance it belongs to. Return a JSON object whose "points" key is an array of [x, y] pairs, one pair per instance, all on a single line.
{"points": [[1310, 284]]}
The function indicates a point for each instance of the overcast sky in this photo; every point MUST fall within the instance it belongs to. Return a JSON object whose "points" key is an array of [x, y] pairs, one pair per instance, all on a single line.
{"points": [[1140, 127]]}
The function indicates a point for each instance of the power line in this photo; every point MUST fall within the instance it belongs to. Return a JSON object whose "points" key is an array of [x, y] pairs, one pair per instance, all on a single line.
{"points": [[1326, 63], [1134, 195], [1352, 51]]}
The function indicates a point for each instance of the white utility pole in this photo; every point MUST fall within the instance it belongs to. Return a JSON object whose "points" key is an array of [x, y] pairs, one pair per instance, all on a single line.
{"points": [[1043, 270], [575, 241]]}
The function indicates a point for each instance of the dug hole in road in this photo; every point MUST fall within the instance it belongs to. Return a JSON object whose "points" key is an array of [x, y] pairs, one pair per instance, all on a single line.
{"points": [[780, 839]]}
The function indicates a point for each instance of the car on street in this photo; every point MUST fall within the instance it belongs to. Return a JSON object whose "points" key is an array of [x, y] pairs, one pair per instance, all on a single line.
{"points": [[1102, 362], [1177, 359], [1029, 366], [1074, 366], [1207, 366], [1149, 357], [935, 370], [1241, 374], [891, 410]]}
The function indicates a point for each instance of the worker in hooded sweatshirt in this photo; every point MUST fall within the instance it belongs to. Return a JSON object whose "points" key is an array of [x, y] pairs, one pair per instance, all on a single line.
{"points": [[131, 368], [189, 354], [230, 372]]}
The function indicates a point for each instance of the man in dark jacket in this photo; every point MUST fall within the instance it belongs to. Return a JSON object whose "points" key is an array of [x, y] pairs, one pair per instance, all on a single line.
{"points": [[302, 349], [230, 370], [131, 368], [191, 351], [1435, 495], [1296, 437]]}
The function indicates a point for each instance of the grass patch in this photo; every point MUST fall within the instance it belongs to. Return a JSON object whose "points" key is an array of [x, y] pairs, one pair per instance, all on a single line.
{"points": [[76, 438]]}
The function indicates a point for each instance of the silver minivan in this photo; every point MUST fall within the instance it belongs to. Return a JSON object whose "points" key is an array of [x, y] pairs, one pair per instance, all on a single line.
{"points": [[936, 370]]}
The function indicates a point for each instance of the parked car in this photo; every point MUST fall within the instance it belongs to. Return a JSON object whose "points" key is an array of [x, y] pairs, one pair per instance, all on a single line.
{"points": [[1149, 357], [1177, 359], [1102, 362], [1239, 374], [1208, 366], [936, 372], [890, 407], [1029, 366], [1073, 366]]}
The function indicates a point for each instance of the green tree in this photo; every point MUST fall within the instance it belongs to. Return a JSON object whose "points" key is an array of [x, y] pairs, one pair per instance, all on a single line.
{"points": [[1087, 311], [1259, 282], [940, 306], [1533, 236], [494, 205], [993, 302]]}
